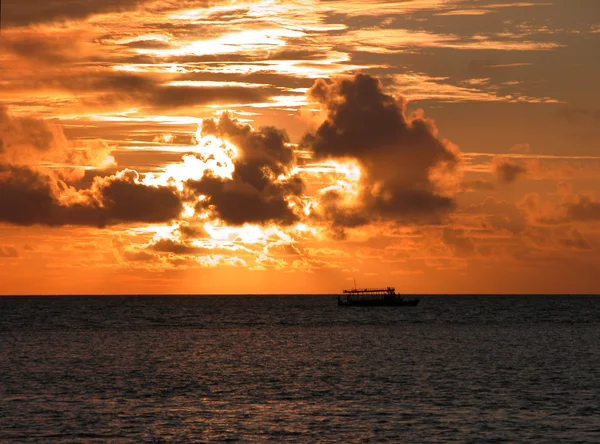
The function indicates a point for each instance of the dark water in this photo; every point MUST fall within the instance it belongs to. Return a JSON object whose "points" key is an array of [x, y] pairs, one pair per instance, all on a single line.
{"points": [[299, 369]]}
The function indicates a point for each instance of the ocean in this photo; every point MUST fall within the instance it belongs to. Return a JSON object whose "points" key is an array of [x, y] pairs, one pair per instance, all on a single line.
{"points": [[179, 369]]}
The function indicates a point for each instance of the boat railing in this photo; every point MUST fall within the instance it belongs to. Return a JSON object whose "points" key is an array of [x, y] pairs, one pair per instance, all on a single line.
{"points": [[388, 290]]}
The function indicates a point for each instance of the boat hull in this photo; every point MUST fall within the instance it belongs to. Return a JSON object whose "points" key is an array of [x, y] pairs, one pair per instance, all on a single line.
{"points": [[379, 303]]}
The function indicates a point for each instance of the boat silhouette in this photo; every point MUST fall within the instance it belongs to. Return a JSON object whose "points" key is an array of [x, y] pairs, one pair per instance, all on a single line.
{"points": [[375, 297]]}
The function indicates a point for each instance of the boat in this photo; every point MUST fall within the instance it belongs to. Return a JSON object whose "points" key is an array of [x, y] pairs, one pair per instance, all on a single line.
{"points": [[375, 297]]}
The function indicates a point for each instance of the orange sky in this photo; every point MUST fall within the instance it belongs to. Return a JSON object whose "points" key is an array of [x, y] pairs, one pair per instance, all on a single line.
{"points": [[263, 146]]}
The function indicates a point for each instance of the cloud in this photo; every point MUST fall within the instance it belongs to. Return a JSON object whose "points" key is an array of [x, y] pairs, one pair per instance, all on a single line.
{"points": [[37, 161], [29, 141], [575, 239], [29, 197], [72, 66], [499, 215], [171, 246], [506, 170], [125, 199], [21, 138], [48, 46], [418, 86], [18, 13], [511, 166], [188, 231], [116, 87], [458, 241], [237, 202], [263, 154], [7, 251], [583, 208], [572, 207], [546, 241], [409, 172], [260, 189], [395, 40]]}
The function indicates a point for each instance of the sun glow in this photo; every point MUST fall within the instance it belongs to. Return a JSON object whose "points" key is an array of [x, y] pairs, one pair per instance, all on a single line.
{"points": [[163, 138], [348, 169], [159, 231], [246, 41], [212, 155], [246, 234]]}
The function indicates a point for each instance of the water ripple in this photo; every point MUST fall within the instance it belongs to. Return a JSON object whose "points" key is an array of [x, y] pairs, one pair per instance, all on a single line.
{"points": [[299, 369]]}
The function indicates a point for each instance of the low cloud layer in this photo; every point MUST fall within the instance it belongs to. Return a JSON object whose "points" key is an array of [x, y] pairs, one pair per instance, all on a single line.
{"points": [[37, 164], [29, 197]]}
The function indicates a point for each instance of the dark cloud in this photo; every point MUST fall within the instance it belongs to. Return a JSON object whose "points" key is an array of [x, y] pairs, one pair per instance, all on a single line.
{"points": [[187, 231], [404, 162], [506, 170], [29, 140], [583, 208], [8, 251], [167, 96], [26, 196], [149, 44], [254, 194], [38, 47], [150, 90], [338, 216], [263, 154], [17, 12], [124, 199], [237, 202], [138, 256], [26, 133], [29, 197]]}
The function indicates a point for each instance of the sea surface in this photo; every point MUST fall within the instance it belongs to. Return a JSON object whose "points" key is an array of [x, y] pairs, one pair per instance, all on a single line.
{"points": [[178, 369]]}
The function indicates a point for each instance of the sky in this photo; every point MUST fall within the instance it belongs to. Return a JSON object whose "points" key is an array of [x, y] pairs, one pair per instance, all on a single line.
{"points": [[276, 147]]}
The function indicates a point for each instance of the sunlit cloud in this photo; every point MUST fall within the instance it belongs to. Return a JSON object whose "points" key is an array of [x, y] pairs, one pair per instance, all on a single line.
{"points": [[464, 12], [212, 155], [383, 7], [244, 41], [416, 86], [210, 83], [388, 41]]}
